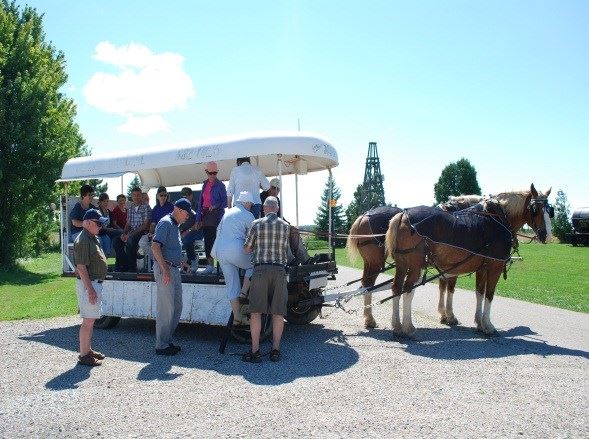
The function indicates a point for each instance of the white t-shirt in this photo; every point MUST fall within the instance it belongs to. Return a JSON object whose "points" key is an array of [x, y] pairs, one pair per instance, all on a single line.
{"points": [[247, 177]]}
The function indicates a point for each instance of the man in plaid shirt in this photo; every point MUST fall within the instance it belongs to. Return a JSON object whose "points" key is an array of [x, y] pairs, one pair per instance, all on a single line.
{"points": [[267, 240], [138, 219]]}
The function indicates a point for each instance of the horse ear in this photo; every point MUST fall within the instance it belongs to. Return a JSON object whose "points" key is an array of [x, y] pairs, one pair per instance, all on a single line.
{"points": [[533, 191], [548, 192]]}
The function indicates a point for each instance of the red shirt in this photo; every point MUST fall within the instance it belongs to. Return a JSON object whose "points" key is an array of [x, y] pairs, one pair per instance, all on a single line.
{"points": [[206, 195], [120, 217]]}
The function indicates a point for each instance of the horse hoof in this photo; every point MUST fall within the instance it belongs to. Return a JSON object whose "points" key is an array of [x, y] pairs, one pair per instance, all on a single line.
{"points": [[452, 321], [397, 330], [409, 331], [370, 323], [443, 320]]}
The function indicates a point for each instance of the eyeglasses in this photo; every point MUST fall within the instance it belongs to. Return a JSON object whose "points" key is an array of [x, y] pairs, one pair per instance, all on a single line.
{"points": [[212, 173]]}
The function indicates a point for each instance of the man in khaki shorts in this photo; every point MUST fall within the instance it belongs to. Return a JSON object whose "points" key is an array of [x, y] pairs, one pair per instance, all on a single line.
{"points": [[267, 240], [91, 270]]}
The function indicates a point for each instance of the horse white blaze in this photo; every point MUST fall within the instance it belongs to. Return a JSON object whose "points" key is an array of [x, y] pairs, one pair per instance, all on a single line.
{"points": [[548, 223], [487, 325]]}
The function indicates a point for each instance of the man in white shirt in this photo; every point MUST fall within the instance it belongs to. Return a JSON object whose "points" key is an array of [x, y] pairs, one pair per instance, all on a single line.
{"points": [[249, 178]]}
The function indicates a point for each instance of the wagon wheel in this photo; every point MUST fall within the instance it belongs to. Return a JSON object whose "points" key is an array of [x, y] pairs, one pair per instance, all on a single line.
{"points": [[106, 322], [303, 315], [243, 335]]}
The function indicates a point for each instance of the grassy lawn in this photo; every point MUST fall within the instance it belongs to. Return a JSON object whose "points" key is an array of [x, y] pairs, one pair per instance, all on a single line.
{"points": [[552, 274], [36, 290]]}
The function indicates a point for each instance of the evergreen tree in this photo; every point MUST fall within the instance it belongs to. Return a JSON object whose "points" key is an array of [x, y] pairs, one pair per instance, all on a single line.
{"points": [[338, 217], [354, 209], [459, 178], [136, 182], [37, 131], [561, 223]]}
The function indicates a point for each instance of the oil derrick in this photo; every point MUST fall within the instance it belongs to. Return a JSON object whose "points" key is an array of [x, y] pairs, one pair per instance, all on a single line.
{"points": [[372, 187]]}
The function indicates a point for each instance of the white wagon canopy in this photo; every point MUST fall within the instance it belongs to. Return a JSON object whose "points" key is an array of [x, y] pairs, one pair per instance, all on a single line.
{"points": [[276, 153]]}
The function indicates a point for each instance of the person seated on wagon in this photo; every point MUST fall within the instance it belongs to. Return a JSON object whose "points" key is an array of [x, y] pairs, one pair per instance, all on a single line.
{"points": [[109, 231], [249, 178], [119, 213], [297, 252], [145, 200], [273, 191], [189, 231], [211, 206], [228, 250], [162, 208], [80, 208], [138, 220]]}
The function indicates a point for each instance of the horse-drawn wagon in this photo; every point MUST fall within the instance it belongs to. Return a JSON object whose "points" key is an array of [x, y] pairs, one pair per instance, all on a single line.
{"points": [[580, 220], [133, 294]]}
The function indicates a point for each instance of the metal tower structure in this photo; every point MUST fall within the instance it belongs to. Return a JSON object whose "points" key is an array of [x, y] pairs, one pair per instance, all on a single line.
{"points": [[373, 189]]}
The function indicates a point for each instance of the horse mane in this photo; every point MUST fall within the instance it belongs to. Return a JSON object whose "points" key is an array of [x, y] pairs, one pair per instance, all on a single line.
{"points": [[460, 202], [512, 203]]}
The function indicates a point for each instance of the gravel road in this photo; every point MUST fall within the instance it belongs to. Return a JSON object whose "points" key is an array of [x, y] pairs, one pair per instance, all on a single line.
{"points": [[336, 379]]}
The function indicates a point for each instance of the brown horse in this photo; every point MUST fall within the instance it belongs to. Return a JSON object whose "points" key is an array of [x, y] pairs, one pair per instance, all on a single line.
{"points": [[413, 252], [372, 250]]}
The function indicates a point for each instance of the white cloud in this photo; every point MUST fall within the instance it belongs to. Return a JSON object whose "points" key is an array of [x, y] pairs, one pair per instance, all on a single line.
{"points": [[144, 126], [146, 84]]}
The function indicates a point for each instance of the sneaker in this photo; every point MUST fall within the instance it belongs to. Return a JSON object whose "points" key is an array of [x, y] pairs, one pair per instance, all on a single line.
{"points": [[173, 346], [168, 352]]}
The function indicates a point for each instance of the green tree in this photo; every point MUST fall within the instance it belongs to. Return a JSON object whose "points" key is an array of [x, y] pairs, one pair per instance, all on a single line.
{"points": [[561, 223], [136, 182], [459, 178], [338, 217], [37, 131], [354, 209]]}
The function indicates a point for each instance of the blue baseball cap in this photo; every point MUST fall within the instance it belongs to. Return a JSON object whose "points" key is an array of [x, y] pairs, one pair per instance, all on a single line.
{"points": [[184, 204], [93, 214]]}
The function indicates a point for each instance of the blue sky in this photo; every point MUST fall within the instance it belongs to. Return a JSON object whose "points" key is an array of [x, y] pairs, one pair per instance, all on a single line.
{"points": [[504, 84]]}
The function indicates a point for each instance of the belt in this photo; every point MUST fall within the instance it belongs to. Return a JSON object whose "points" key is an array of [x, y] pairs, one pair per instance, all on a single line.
{"points": [[172, 265], [270, 263]]}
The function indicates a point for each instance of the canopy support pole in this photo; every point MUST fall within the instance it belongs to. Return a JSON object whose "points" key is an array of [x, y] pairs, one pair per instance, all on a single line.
{"points": [[297, 197], [329, 205], [280, 178]]}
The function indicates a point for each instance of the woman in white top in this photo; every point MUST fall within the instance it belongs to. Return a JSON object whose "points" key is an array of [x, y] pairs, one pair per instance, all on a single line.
{"points": [[249, 178], [228, 250]]}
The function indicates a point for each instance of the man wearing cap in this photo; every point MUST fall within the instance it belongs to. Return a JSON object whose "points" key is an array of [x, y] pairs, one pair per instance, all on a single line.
{"points": [[167, 252], [211, 206], [91, 269], [272, 192], [190, 230], [228, 250], [250, 178], [267, 240]]}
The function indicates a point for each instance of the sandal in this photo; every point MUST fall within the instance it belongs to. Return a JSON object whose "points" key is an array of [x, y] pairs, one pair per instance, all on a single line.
{"points": [[97, 355], [274, 355], [252, 357], [88, 360]]}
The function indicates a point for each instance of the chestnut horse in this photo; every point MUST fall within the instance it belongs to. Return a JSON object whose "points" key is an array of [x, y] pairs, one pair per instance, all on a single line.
{"points": [[412, 252], [372, 249]]}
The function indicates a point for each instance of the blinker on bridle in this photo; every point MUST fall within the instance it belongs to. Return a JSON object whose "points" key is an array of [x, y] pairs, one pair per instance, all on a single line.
{"points": [[539, 204]]}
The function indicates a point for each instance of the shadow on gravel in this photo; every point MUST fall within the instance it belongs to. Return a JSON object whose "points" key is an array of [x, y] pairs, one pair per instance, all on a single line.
{"points": [[464, 343], [307, 351]]}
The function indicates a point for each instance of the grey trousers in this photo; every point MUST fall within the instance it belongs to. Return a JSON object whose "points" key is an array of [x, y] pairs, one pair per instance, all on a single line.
{"points": [[169, 306]]}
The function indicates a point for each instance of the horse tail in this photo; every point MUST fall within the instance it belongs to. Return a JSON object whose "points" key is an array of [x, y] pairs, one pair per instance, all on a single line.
{"points": [[390, 243], [352, 243]]}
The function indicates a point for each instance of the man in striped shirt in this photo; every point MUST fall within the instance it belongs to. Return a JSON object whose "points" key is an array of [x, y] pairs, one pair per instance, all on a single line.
{"points": [[267, 240]]}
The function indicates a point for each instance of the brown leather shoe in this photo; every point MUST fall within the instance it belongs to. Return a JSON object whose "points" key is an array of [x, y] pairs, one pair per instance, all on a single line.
{"points": [[97, 355], [88, 360]]}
